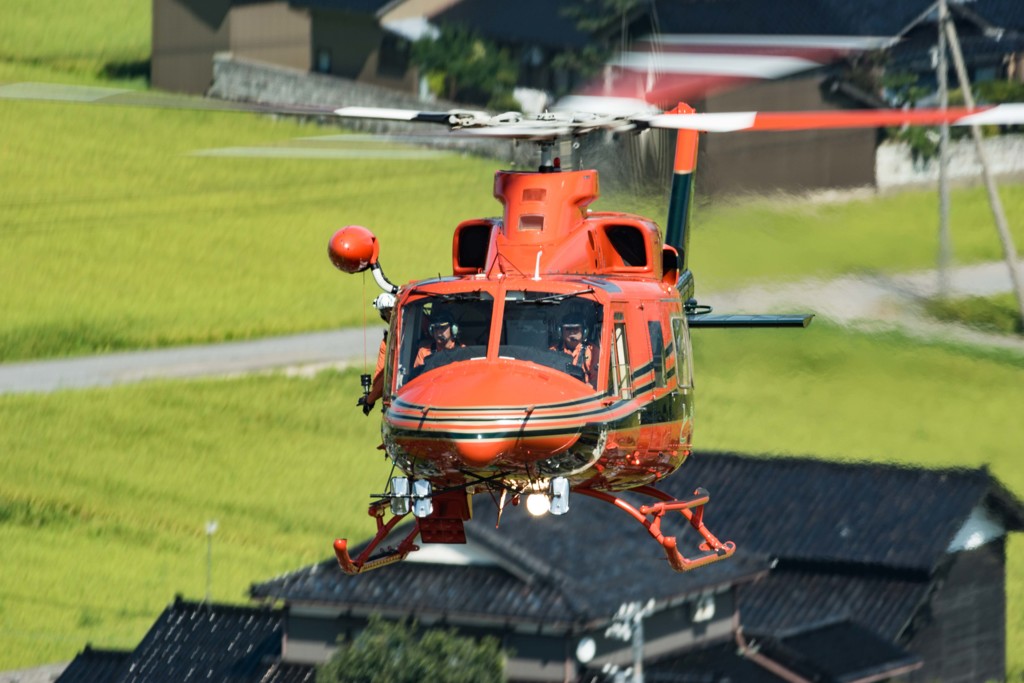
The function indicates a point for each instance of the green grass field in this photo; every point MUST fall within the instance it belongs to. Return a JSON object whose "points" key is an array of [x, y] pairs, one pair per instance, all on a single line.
{"points": [[1000, 313], [104, 497], [80, 40]]}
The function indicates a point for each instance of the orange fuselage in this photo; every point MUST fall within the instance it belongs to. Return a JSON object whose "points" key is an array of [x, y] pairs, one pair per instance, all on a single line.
{"points": [[502, 402]]}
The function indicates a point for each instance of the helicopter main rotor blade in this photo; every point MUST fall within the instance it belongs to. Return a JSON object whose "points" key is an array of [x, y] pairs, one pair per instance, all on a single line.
{"points": [[454, 118], [812, 120]]}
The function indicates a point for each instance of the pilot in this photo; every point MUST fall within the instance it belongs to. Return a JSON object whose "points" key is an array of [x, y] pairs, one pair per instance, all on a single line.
{"points": [[443, 337], [385, 305], [573, 342]]}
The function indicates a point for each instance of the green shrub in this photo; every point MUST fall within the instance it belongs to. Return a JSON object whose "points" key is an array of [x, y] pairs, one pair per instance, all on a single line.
{"points": [[995, 314]]}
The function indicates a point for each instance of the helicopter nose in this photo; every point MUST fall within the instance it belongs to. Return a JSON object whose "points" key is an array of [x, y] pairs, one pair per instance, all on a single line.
{"points": [[489, 412], [480, 453]]}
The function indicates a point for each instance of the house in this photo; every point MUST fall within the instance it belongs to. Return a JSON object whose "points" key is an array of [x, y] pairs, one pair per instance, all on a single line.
{"points": [[362, 40], [844, 572], [718, 55]]}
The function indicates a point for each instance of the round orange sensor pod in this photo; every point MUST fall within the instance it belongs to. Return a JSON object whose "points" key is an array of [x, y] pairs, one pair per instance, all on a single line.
{"points": [[353, 249]]}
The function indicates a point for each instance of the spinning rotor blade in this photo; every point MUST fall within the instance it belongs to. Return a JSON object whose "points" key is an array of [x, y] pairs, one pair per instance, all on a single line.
{"points": [[551, 126], [385, 114], [813, 120], [548, 126]]}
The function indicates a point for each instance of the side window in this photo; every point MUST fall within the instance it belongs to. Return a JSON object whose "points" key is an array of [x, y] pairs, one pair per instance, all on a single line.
{"points": [[619, 381], [683, 356], [658, 352]]}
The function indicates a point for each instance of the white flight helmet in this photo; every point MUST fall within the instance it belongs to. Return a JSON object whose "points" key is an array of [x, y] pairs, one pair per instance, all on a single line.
{"points": [[384, 303]]}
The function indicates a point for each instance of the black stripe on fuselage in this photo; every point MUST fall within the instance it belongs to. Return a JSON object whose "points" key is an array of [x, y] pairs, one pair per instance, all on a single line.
{"points": [[426, 418], [642, 370], [544, 406]]}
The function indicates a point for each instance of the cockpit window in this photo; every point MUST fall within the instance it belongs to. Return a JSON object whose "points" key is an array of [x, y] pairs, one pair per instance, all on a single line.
{"points": [[559, 331], [438, 329]]}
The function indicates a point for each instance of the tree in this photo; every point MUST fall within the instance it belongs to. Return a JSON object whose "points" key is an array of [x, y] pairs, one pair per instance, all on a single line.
{"points": [[608, 22], [397, 652], [469, 68]]}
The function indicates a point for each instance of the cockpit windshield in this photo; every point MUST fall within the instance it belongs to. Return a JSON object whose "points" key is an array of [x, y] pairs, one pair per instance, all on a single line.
{"points": [[438, 329], [552, 329], [559, 331]]}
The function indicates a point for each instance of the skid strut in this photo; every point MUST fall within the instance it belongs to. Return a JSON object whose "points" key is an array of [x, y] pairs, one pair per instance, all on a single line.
{"points": [[448, 511], [712, 550], [364, 562]]}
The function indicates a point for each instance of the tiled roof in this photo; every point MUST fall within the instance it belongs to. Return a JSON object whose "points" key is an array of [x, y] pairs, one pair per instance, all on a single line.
{"points": [[540, 22], [200, 642], [354, 6], [718, 663], [596, 546], [838, 652], [822, 511], [94, 666], [194, 641], [819, 17], [1007, 14], [546, 23], [841, 651], [789, 599], [418, 588], [283, 672]]}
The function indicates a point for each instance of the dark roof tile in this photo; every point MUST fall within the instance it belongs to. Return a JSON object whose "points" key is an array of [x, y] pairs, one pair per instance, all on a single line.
{"points": [[203, 642], [825, 511], [284, 672], [800, 17], [789, 599], [841, 651], [94, 666], [539, 22], [353, 6], [717, 663], [472, 591]]}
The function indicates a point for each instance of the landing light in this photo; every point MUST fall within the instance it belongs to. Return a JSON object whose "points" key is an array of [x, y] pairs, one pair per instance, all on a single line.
{"points": [[538, 504]]}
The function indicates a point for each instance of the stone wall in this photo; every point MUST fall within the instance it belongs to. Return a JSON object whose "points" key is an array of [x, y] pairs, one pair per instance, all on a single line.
{"points": [[250, 81], [895, 167]]}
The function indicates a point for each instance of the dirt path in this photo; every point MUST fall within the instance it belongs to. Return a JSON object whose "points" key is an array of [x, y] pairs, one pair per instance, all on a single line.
{"points": [[297, 353], [879, 301]]}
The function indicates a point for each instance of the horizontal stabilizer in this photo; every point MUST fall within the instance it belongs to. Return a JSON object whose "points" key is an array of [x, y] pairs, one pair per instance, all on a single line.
{"points": [[711, 320]]}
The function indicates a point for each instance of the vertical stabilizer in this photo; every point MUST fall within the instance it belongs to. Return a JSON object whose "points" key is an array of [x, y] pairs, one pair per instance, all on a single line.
{"points": [[677, 231]]}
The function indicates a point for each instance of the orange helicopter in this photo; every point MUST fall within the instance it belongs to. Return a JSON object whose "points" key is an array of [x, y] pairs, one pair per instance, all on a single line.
{"points": [[555, 360]]}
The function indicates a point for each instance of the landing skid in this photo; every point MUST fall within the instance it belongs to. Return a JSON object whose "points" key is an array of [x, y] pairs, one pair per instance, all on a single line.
{"points": [[445, 525], [712, 550]]}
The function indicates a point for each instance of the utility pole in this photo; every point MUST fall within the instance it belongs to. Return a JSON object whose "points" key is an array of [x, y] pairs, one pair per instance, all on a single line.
{"points": [[1005, 238], [942, 73], [628, 625]]}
